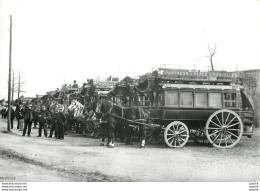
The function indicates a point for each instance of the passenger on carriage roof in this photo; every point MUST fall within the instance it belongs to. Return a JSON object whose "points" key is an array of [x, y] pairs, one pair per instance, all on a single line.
{"points": [[75, 85]]}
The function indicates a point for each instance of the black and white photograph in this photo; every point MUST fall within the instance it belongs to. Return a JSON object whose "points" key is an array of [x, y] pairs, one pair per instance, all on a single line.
{"points": [[119, 91]]}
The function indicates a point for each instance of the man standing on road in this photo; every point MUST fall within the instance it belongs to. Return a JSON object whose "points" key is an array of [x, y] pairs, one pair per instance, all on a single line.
{"points": [[19, 116], [52, 122], [43, 121], [28, 117], [58, 123], [36, 113], [60, 120], [3, 112]]}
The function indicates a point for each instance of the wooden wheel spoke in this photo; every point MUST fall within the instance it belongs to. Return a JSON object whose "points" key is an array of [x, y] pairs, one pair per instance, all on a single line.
{"points": [[179, 142], [222, 115], [182, 132], [214, 133], [218, 120], [170, 138], [234, 124], [231, 120], [234, 129], [220, 139], [215, 123], [174, 142], [177, 129], [174, 128], [232, 134], [182, 139], [229, 138], [170, 130], [216, 138], [213, 128], [167, 134], [171, 141], [227, 119]]}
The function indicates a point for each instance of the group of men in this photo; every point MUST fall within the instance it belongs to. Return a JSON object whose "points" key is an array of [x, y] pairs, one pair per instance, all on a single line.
{"points": [[26, 116]]}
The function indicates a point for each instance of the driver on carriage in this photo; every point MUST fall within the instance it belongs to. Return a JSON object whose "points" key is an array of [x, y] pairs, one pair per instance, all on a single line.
{"points": [[75, 85]]}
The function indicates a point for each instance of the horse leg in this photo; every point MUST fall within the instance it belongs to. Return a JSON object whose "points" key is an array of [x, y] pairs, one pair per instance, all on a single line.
{"points": [[122, 132], [142, 135], [119, 132], [128, 132], [103, 131], [111, 129], [116, 134]]}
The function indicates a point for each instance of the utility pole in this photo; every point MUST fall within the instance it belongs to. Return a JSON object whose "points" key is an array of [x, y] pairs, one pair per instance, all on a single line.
{"points": [[13, 87], [19, 85], [9, 79]]}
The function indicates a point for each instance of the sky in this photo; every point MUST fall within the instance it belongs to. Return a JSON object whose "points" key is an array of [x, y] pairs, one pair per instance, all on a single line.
{"points": [[58, 41]]}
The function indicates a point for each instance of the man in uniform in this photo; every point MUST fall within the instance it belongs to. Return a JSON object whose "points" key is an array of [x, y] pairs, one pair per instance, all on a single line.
{"points": [[43, 121], [28, 117]]}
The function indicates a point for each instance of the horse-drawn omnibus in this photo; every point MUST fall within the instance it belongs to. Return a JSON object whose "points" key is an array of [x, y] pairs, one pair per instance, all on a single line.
{"points": [[207, 105]]}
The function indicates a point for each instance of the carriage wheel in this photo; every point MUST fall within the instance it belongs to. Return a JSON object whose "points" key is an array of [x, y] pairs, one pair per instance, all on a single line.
{"points": [[176, 134], [224, 128]]}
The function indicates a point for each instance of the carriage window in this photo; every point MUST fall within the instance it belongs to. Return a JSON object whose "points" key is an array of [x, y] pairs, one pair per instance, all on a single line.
{"points": [[186, 99], [171, 98], [229, 99], [143, 101], [201, 99], [160, 98], [118, 101], [215, 100]]}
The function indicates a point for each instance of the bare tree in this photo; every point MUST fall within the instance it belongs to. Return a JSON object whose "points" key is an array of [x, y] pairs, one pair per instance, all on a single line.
{"points": [[212, 52], [250, 82], [20, 85]]}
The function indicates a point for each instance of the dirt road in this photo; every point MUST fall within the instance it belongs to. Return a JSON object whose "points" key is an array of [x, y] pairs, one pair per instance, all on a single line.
{"points": [[77, 158]]}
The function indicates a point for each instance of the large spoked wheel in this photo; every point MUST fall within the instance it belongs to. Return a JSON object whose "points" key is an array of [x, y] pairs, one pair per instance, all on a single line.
{"points": [[224, 128], [176, 134]]}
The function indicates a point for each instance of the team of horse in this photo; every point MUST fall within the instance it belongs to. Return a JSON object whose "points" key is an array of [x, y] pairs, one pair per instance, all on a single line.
{"points": [[88, 113]]}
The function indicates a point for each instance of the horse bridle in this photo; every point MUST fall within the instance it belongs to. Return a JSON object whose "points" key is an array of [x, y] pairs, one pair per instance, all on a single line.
{"points": [[109, 110]]}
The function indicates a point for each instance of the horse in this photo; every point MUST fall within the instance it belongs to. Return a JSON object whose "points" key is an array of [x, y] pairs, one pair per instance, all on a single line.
{"points": [[114, 115]]}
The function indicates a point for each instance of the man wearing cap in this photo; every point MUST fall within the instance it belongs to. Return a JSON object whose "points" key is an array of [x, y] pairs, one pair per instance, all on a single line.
{"points": [[19, 116], [75, 85], [28, 117], [43, 121]]}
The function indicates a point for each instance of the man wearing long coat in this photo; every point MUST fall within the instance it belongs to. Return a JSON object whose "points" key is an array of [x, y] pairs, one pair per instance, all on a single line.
{"points": [[28, 118]]}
